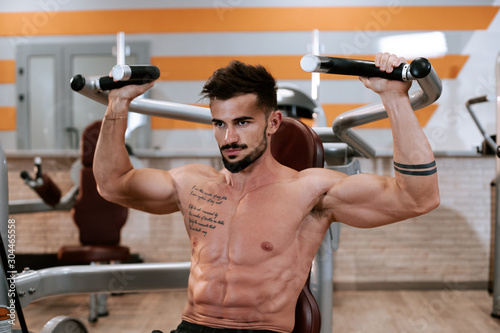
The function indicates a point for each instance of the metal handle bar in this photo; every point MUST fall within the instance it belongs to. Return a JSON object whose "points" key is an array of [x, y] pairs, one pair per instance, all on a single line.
{"points": [[485, 134], [419, 67], [429, 92], [34, 285], [89, 87]]}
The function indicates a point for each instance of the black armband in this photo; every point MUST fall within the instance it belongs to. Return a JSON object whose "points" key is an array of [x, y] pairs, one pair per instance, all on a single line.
{"points": [[416, 169]]}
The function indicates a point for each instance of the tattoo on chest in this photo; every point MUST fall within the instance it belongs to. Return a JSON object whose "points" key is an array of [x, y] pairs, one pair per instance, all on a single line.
{"points": [[202, 212], [209, 198]]}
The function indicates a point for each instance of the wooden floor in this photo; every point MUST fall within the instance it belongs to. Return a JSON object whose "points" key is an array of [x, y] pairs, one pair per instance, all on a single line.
{"points": [[445, 311]]}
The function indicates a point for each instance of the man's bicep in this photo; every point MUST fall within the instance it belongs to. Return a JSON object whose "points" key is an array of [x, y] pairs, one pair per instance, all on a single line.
{"points": [[365, 200], [149, 190]]}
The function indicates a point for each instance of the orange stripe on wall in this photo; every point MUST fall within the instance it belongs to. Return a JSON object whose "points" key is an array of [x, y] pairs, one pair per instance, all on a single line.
{"points": [[281, 67], [201, 68], [159, 123], [8, 118], [448, 67], [7, 71], [334, 110], [226, 18], [167, 123]]}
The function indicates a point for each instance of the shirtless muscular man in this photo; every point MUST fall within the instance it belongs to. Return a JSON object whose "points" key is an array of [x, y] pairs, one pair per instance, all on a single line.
{"points": [[265, 221]]}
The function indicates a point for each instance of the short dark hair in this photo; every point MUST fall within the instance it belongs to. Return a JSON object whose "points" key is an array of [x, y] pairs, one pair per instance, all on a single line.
{"points": [[238, 79]]}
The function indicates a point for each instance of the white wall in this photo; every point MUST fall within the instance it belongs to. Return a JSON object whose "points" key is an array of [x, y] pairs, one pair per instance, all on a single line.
{"points": [[450, 128]]}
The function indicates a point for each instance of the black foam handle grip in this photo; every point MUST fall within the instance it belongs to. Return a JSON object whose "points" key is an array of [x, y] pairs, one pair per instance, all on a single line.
{"points": [[104, 82], [135, 72], [107, 83], [479, 99], [77, 82], [26, 176], [418, 69], [344, 66]]}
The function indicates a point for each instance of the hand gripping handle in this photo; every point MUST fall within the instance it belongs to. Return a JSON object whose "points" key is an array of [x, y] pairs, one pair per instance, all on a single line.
{"points": [[430, 90], [123, 75], [419, 68]]}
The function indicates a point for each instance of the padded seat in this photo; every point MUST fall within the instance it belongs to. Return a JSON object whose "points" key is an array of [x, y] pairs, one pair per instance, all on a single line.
{"points": [[93, 253], [297, 146]]}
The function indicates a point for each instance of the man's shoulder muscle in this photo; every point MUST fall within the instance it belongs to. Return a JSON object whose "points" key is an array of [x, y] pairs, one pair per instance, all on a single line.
{"points": [[190, 171], [320, 179], [320, 183]]}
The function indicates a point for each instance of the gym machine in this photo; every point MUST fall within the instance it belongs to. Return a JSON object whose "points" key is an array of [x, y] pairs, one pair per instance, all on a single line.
{"points": [[491, 145], [341, 145], [496, 280]]}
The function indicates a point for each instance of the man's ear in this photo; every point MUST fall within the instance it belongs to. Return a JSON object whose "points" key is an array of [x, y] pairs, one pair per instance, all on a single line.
{"points": [[274, 121]]}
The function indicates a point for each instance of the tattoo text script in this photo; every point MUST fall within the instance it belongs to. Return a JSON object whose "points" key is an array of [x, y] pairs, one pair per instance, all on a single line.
{"points": [[201, 217]]}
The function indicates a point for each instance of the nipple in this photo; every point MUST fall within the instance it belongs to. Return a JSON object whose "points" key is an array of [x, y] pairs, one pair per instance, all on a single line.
{"points": [[267, 246], [195, 242]]}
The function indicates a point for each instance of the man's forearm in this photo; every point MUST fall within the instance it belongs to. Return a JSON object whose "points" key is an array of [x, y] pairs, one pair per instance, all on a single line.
{"points": [[111, 159], [410, 143], [414, 161]]}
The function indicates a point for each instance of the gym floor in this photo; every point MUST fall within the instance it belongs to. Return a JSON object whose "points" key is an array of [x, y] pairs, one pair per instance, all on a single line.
{"points": [[435, 311]]}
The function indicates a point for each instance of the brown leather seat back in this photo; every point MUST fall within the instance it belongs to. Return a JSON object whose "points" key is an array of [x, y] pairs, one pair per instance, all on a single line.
{"points": [[297, 146], [98, 220], [307, 312]]}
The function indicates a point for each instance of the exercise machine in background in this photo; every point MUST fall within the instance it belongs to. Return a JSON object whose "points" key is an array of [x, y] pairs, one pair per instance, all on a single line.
{"points": [[491, 145]]}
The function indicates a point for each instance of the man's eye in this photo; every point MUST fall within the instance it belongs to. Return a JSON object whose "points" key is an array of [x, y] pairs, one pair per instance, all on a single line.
{"points": [[242, 122], [219, 124]]}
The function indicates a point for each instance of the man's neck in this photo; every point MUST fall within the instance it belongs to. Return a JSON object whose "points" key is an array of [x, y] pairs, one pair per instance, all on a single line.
{"points": [[262, 172]]}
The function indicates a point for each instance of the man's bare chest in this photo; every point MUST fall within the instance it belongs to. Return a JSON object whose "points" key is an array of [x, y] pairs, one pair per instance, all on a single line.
{"points": [[265, 219], [207, 209]]}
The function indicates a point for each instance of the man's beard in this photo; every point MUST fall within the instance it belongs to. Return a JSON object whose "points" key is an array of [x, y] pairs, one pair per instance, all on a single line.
{"points": [[235, 167]]}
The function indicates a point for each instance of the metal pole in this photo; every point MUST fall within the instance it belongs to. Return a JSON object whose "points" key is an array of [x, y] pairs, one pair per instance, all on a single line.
{"points": [[315, 77], [120, 48], [496, 254], [322, 282], [4, 217], [34, 285]]}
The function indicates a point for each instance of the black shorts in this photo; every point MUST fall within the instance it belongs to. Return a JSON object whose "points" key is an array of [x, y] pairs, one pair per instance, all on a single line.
{"points": [[187, 327]]}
